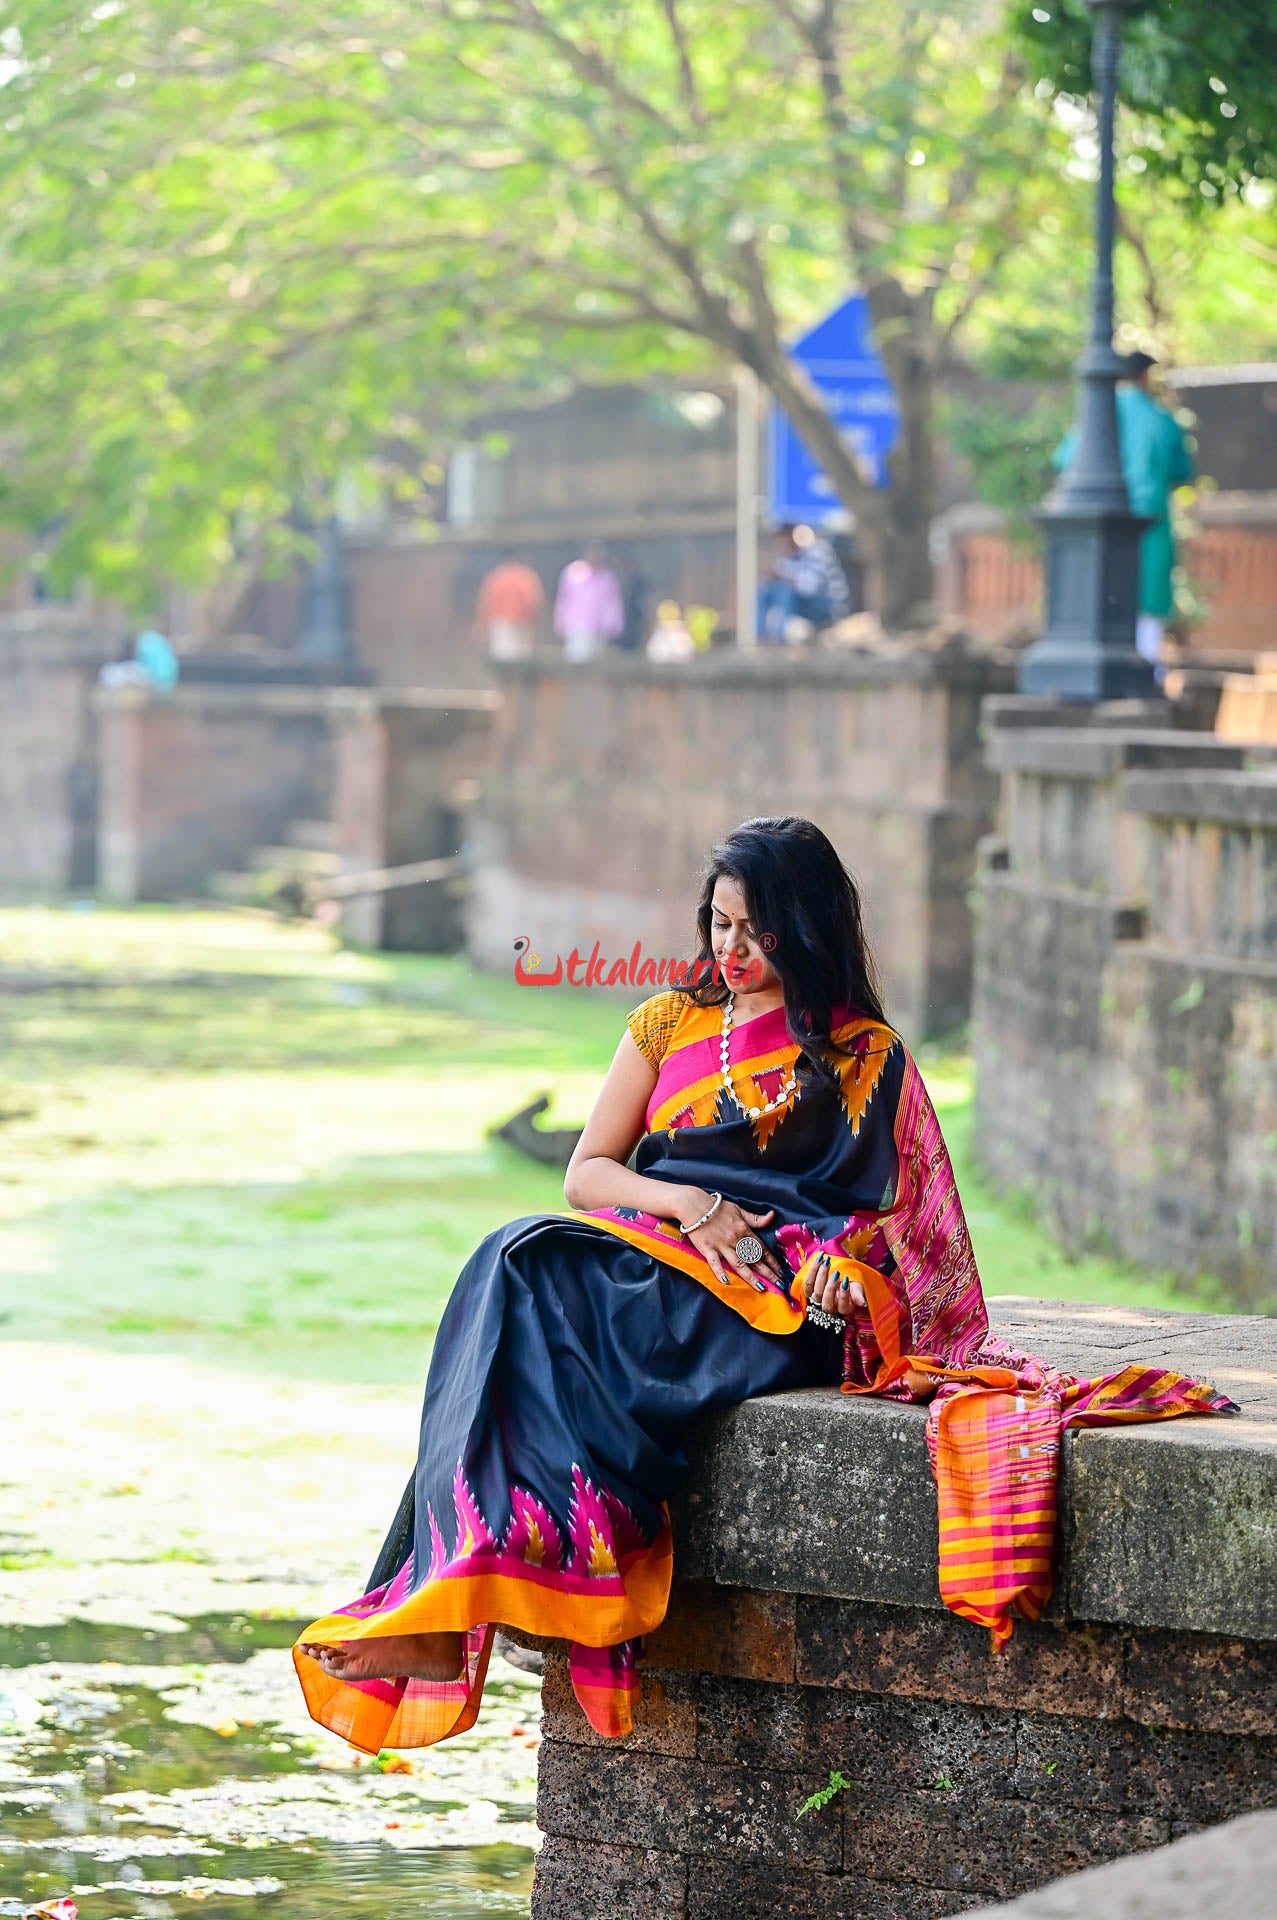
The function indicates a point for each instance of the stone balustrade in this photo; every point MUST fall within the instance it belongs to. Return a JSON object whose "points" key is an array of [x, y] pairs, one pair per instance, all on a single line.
{"points": [[1125, 1001]]}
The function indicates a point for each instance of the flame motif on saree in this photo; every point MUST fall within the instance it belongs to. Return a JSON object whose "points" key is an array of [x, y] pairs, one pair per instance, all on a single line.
{"points": [[473, 1535], [532, 1535]]}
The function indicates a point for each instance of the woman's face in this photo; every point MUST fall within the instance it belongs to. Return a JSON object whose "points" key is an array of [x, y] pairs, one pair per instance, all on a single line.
{"points": [[739, 947]]}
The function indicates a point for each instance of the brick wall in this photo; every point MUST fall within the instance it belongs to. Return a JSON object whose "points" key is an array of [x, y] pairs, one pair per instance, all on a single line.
{"points": [[994, 584], [611, 780], [412, 602], [805, 1636], [1125, 1006]]}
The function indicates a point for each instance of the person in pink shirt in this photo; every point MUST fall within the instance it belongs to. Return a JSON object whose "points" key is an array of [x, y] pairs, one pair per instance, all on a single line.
{"points": [[589, 613]]}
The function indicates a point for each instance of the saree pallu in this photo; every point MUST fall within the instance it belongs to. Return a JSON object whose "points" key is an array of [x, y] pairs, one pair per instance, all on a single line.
{"points": [[578, 1350]]}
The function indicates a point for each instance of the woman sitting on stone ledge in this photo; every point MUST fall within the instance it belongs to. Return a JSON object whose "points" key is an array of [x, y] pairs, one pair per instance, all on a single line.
{"points": [[790, 1220]]}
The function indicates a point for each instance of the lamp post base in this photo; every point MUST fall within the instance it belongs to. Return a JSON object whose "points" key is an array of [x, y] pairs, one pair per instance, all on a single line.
{"points": [[1092, 590]]}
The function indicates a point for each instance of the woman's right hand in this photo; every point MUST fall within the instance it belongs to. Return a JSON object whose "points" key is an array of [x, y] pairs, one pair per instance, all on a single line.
{"points": [[716, 1240]]}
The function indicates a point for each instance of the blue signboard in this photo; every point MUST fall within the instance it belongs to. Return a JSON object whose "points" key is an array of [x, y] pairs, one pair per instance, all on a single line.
{"points": [[844, 367]]}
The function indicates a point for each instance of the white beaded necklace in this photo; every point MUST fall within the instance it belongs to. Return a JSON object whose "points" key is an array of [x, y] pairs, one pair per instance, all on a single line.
{"points": [[777, 1100]]}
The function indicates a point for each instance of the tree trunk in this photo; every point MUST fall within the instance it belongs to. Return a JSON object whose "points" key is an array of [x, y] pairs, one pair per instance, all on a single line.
{"points": [[904, 337], [893, 523]]}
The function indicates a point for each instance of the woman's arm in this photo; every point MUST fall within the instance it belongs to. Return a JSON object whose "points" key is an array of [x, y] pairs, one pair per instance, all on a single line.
{"points": [[597, 1175]]}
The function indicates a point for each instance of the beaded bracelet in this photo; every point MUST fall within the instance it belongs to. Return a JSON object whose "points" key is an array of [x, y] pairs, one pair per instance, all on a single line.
{"points": [[715, 1204]]}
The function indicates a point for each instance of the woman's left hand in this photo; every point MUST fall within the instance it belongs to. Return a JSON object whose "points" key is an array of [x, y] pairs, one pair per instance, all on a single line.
{"points": [[835, 1293]]}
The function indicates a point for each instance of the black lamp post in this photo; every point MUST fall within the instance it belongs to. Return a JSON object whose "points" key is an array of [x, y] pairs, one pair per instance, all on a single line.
{"points": [[1087, 651]]}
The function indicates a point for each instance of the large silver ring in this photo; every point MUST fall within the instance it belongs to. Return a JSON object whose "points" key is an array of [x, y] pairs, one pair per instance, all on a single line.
{"points": [[749, 1249]]}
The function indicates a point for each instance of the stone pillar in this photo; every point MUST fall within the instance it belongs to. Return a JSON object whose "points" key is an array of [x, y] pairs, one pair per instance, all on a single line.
{"points": [[49, 663], [405, 763]]}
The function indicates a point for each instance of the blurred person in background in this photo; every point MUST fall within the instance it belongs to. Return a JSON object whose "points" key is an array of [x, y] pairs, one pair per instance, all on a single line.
{"points": [[589, 611], [636, 593], [151, 662], [510, 600], [804, 587], [670, 638], [1155, 460]]}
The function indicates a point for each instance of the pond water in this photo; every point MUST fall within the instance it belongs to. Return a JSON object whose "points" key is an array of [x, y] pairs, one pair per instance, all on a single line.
{"points": [[145, 1770]]}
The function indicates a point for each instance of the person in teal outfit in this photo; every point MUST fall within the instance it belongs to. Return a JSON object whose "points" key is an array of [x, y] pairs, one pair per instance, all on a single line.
{"points": [[1155, 460], [156, 657], [152, 662]]}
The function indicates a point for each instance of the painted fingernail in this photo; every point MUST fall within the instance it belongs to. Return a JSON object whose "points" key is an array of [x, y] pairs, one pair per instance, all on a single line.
{"points": [[758, 1286], [845, 1287]]}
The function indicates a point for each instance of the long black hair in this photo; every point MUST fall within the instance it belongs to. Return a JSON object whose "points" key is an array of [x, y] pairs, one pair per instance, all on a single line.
{"points": [[806, 914]]}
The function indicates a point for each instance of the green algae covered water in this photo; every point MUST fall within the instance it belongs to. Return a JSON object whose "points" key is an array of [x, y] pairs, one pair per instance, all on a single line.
{"points": [[147, 1772]]}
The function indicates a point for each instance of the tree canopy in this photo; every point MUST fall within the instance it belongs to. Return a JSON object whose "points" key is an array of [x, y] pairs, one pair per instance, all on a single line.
{"points": [[1199, 76], [243, 247]]}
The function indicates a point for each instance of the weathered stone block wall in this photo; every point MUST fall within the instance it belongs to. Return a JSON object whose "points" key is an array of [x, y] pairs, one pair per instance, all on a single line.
{"points": [[973, 1777], [611, 780], [192, 779], [1125, 1005], [806, 1636], [49, 663]]}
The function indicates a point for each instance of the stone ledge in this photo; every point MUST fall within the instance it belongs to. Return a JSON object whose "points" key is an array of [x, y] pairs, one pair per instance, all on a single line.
{"points": [[1033, 710], [1167, 1525], [197, 698], [1229, 799], [1088, 753], [1126, 919], [1229, 1871], [949, 667]]}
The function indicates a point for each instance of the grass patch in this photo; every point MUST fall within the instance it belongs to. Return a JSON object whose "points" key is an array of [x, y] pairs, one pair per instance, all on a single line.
{"points": [[227, 1137]]}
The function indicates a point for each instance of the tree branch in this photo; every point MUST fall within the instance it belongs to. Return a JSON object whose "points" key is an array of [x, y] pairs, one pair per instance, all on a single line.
{"points": [[1134, 239], [587, 62], [819, 29], [965, 178], [1009, 236], [691, 92]]}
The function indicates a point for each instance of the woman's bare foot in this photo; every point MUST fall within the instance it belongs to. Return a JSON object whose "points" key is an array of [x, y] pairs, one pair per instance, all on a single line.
{"points": [[392, 1656]]}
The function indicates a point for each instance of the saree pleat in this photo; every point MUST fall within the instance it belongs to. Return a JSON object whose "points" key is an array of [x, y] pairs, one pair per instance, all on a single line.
{"points": [[578, 1351]]}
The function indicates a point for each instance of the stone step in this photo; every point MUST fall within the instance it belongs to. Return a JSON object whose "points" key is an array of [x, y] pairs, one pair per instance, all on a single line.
{"points": [[317, 836], [311, 862], [236, 889]]}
